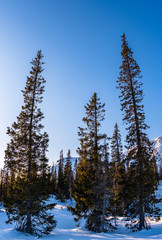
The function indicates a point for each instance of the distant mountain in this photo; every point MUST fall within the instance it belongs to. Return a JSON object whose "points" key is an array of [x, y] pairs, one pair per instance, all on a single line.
{"points": [[157, 143]]}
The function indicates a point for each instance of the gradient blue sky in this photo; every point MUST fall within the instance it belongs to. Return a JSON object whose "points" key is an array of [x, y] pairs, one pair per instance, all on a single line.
{"points": [[81, 44]]}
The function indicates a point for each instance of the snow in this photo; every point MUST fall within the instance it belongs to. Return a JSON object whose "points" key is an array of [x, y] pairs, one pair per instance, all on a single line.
{"points": [[66, 228]]}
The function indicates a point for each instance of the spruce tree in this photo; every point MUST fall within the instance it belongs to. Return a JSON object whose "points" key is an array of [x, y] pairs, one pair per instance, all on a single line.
{"points": [[44, 169], [116, 145], [117, 175], [75, 169], [88, 189], [1, 185], [26, 161], [68, 176], [105, 185], [53, 189], [160, 171], [139, 155]]}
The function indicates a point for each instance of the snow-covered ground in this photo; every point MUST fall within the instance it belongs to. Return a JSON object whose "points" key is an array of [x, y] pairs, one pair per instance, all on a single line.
{"points": [[66, 228]]}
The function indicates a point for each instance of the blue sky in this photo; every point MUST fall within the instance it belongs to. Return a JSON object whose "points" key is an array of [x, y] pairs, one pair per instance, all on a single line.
{"points": [[81, 44]]}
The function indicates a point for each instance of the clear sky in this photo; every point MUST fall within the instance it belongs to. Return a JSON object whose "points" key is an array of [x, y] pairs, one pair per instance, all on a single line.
{"points": [[81, 44]]}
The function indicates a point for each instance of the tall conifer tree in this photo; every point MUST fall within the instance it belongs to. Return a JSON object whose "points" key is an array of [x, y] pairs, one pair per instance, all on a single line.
{"points": [[53, 185], [61, 182], [75, 169], [142, 187], [88, 189], [117, 175], [26, 162], [105, 185], [68, 176], [1, 184]]}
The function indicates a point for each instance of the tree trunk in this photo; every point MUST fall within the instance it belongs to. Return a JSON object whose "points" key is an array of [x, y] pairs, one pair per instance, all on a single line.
{"points": [[29, 228], [104, 205], [139, 157]]}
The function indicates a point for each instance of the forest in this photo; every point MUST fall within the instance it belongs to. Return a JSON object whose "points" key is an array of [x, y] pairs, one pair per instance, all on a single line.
{"points": [[104, 183]]}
